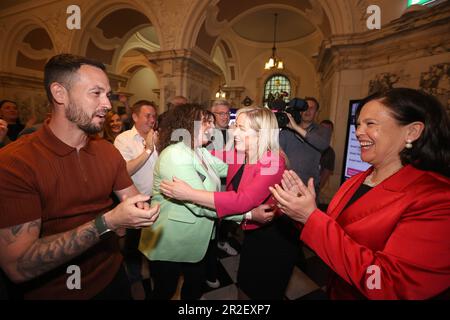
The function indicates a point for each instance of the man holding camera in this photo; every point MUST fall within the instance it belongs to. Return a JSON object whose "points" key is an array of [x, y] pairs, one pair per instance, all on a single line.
{"points": [[304, 143]]}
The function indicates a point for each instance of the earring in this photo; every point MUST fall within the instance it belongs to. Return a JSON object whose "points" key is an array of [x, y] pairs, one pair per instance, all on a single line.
{"points": [[408, 144]]}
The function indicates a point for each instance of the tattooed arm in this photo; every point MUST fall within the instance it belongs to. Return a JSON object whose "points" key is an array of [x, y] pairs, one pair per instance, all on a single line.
{"points": [[24, 256]]}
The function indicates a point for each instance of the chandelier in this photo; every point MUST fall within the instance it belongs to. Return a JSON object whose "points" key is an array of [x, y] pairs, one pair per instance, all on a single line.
{"points": [[274, 62], [220, 94]]}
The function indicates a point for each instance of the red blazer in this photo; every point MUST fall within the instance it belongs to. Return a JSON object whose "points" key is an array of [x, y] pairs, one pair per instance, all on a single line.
{"points": [[402, 226], [253, 188]]}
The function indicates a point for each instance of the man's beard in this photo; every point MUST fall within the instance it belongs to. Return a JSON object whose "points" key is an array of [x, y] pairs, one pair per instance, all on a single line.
{"points": [[82, 119]]}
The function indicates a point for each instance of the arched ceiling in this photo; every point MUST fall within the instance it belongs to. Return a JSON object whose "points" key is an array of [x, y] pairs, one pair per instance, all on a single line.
{"points": [[117, 25], [149, 34], [259, 26], [38, 39], [34, 49], [120, 22], [254, 21]]}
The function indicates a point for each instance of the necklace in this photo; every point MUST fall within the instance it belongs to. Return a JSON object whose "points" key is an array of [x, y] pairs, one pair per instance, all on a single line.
{"points": [[368, 181]]}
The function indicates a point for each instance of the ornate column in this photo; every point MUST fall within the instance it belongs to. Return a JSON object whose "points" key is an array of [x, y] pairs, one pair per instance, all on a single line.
{"points": [[234, 95], [184, 72]]}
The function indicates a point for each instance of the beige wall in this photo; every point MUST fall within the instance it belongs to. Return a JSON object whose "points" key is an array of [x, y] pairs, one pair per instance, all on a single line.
{"points": [[141, 85]]}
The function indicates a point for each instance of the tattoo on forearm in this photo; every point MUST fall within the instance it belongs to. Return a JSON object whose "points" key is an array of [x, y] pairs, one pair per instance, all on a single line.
{"points": [[49, 252], [8, 236], [16, 229]]}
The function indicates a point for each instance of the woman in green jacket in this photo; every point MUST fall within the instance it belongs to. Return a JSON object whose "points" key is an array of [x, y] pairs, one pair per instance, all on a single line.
{"points": [[178, 241]]}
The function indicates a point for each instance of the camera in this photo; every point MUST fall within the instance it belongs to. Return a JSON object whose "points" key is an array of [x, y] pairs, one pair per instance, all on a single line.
{"points": [[294, 107]]}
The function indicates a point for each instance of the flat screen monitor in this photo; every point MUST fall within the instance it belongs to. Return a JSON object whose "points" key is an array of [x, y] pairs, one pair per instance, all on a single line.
{"points": [[232, 116], [352, 153]]}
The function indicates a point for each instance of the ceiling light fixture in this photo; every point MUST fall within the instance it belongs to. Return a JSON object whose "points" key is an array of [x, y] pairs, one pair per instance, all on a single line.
{"points": [[273, 61]]}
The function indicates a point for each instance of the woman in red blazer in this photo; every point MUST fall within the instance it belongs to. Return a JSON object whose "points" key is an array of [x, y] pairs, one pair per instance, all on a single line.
{"points": [[386, 231], [270, 247]]}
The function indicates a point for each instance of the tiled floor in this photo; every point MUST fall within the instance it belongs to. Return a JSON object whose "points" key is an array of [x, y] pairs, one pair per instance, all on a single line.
{"points": [[307, 282]]}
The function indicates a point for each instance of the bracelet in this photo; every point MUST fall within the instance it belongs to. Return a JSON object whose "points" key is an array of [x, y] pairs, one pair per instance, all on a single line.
{"points": [[248, 216]]}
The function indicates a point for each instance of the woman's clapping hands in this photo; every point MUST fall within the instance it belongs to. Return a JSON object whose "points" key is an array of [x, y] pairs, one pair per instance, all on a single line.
{"points": [[294, 198]]}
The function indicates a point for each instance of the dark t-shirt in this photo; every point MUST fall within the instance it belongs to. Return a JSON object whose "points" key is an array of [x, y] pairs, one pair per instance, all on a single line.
{"points": [[304, 153], [43, 178], [13, 130], [327, 159]]}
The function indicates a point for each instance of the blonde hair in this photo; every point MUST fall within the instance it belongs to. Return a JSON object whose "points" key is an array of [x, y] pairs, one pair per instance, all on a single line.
{"points": [[264, 122]]}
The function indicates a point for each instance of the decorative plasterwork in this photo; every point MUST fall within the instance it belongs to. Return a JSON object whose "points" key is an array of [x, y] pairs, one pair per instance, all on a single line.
{"points": [[31, 53], [361, 6], [212, 26], [171, 12], [182, 59], [404, 39], [103, 43], [58, 31], [382, 82], [436, 80], [316, 14]]}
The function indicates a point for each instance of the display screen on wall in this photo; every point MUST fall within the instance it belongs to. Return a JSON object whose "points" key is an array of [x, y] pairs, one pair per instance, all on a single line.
{"points": [[232, 116], [352, 152], [421, 2]]}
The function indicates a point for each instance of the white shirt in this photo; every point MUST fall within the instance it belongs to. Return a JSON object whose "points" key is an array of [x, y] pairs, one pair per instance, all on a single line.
{"points": [[130, 144]]}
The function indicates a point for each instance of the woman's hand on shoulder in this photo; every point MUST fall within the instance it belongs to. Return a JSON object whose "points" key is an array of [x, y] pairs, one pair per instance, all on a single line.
{"points": [[176, 189]]}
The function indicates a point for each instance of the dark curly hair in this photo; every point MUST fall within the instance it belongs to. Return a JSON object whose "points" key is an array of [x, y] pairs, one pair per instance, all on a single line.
{"points": [[181, 117], [431, 151]]}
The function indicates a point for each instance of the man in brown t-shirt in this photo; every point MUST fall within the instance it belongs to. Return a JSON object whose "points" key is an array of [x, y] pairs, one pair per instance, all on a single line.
{"points": [[55, 207]]}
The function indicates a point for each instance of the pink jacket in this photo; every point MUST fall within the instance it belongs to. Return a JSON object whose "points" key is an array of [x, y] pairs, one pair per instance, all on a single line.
{"points": [[254, 186]]}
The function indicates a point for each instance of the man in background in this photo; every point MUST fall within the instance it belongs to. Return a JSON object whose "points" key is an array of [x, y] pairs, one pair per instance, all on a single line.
{"points": [[304, 143], [137, 147], [327, 161]]}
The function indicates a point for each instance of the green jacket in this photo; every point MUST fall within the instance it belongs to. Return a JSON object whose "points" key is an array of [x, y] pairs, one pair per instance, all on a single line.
{"points": [[183, 230]]}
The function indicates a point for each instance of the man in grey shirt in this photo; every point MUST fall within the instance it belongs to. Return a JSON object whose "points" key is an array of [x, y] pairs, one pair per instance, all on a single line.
{"points": [[304, 143]]}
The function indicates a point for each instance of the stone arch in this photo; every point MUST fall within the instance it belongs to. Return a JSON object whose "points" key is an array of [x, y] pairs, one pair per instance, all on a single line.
{"points": [[123, 67], [339, 14], [231, 57], [321, 21], [97, 13], [197, 14]]}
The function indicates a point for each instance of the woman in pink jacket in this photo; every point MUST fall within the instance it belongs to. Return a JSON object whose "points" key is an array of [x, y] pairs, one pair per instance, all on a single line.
{"points": [[269, 249]]}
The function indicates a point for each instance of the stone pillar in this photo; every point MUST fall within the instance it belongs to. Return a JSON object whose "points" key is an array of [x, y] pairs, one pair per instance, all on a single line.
{"points": [[184, 72], [234, 95]]}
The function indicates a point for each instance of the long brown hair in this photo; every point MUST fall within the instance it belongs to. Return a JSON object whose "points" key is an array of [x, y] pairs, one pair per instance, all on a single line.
{"points": [[107, 130], [182, 117]]}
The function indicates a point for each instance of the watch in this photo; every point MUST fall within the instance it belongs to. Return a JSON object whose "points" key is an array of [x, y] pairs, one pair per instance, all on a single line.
{"points": [[101, 226]]}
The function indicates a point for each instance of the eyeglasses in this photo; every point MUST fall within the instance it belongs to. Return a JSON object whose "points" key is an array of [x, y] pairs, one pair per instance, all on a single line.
{"points": [[222, 114]]}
